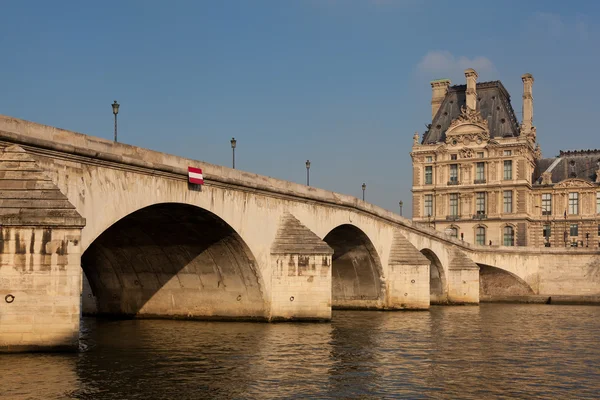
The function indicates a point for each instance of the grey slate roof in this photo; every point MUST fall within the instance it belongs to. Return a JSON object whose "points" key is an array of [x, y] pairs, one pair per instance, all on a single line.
{"points": [[294, 238], [493, 103], [581, 164]]}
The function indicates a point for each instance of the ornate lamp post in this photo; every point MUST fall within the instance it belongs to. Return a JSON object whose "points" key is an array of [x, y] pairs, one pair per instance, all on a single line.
{"points": [[307, 172], [401, 203], [364, 187], [233, 143], [115, 108]]}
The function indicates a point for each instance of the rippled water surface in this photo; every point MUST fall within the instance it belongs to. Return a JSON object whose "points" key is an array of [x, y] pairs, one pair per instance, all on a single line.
{"points": [[490, 351]]}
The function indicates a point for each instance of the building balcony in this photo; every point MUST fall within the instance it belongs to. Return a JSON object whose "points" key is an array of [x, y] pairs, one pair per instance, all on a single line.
{"points": [[479, 216], [453, 182], [452, 218], [479, 181], [546, 212]]}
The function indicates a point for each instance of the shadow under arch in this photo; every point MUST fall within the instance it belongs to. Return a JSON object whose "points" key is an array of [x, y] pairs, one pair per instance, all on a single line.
{"points": [[438, 289], [173, 260], [496, 283], [356, 272]]}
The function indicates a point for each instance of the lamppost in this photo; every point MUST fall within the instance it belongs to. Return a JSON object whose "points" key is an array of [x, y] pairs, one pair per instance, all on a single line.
{"points": [[401, 203], [587, 239], [307, 172], [233, 143], [364, 187], [115, 107]]}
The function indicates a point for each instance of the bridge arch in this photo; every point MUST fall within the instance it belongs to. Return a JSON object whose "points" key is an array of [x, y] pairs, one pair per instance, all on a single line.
{"points": [[438, 284], [497, 283], [173, 259], [357, 273]]}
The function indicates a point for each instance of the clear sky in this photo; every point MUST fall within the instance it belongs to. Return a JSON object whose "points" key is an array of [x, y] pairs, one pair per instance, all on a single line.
{"points": [[344, 83]]}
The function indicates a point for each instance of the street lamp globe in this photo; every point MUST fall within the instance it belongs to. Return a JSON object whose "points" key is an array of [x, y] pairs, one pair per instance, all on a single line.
{"points": [[307, 164], [233, 143], [115, 107]]}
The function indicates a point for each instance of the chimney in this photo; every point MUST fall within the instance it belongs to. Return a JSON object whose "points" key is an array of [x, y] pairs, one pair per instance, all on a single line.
{"points": [[471, 76], [527, 123], [439, 88]]}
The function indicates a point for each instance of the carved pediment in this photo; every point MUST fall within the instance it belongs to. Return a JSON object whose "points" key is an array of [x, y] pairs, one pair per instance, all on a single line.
{"points": [[574, 183], [469, 116], [468, 127]]}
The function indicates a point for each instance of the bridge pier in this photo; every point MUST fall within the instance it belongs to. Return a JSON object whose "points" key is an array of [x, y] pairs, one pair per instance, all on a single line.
{"points": [[408, 276], [463, 279], [40, 273], [301, 273]]}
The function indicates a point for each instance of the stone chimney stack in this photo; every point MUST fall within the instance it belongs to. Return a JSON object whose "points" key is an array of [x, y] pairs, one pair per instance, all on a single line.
{"points": [[527, 123], [439, 88], [471, 76]]}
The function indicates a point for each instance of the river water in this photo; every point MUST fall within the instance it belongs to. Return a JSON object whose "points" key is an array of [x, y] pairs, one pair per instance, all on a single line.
{"points": [[489, 351]]}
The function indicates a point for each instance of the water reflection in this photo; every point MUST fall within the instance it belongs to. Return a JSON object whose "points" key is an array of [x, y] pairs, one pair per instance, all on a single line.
{"points": [[490, 351]]}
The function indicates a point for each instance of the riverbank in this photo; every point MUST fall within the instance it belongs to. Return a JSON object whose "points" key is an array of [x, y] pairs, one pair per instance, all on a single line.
{"points": [[543, 299]]}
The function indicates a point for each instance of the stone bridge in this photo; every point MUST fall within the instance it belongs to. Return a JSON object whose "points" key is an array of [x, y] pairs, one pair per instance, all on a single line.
{"points": [[78, 209]]}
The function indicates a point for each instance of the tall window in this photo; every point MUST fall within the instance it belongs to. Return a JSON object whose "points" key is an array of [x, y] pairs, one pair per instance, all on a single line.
{"points": [[507, 170], [509, 236], [480, 203], [574, 230], [574, 203], [429, 159], [454, 173], [480, 235], [597, 202], [546, 204], [480, 172], [508, 201], [454, 204], [428, 174], [428, 205]]}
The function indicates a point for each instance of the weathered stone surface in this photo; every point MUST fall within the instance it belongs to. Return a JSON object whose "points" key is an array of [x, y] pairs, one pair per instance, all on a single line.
{"points": [[40, 276], [295, 238], [28, 197], [403, 252]]}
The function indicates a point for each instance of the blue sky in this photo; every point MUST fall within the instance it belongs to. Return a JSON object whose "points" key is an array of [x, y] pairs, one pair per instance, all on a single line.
{"points": [[344, 83]]}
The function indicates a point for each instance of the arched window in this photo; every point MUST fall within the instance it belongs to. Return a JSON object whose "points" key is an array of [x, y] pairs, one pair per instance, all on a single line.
{"points": [[480, 235], [509, 236], [454, 232]]}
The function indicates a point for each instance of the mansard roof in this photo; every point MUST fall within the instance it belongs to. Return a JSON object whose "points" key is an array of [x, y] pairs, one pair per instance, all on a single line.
{"points": [[580, 164], [493, 102]]}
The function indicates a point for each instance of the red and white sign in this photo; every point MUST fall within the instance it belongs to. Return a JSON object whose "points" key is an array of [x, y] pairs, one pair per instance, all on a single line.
{"points": [[195, 176]]}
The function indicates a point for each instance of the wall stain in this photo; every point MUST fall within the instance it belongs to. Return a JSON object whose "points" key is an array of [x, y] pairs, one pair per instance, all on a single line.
{"points": [[46, 238]]}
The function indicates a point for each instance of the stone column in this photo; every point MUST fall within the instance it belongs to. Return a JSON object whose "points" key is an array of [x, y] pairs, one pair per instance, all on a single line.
{"points": [[301, 280], [40, 272]]}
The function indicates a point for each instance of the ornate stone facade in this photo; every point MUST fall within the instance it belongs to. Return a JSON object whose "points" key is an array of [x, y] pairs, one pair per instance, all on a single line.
{"points": [[487, 171]]}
